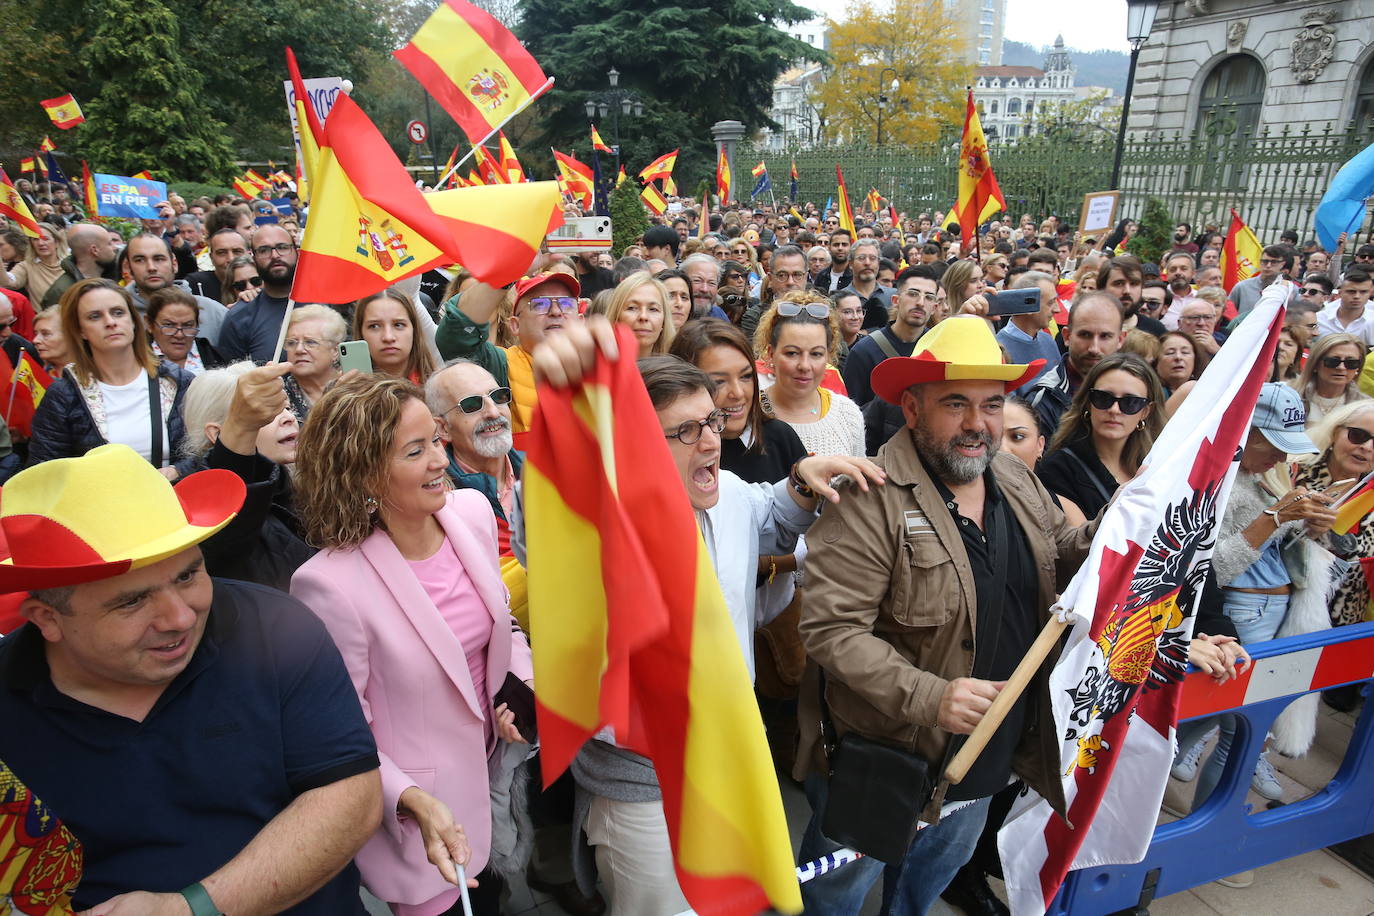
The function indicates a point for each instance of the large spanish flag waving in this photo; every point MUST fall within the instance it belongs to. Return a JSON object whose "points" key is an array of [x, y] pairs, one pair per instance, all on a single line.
{"points": [[1240, 253], [64, 111], [724, 181], [632, 632], [474, 67], [979, 194], [12, 205]]}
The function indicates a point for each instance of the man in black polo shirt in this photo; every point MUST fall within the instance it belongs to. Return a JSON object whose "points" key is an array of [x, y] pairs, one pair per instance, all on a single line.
{"points": [[200, 739]]}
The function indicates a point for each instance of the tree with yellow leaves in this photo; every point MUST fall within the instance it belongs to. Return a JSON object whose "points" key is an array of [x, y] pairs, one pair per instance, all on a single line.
{"points": [[917, 43]]}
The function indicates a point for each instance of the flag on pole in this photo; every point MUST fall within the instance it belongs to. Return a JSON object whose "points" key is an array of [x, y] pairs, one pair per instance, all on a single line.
{"points": [[1240, 253], [475, 179], [262, 183], [453, 180], [670, 186], [639, 638], [761, 183], [23, 392], [55, 172], [474, 67], [47, 145], [25, 165], [723, 180], [653, 199], [662, 167], [510, 163], [792, 183], [979, 195], [490, 170], [41, 167], [619, 179], [896, 224], [703, 224], [246, 188], [1115, 689], [63, 111], [1354, 507], [1343, 206], [12, 205], [577, 177], [598, 144], [88, 192], [874, 200], [309, 127], [846, 211]]}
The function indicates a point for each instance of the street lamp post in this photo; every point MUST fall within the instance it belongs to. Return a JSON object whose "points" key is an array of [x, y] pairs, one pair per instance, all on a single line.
{"points": [[882, 97], [615, 102], [1140, 20]]}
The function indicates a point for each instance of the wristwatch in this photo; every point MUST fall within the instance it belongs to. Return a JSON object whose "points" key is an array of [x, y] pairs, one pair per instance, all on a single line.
{"points": [[198, 899]]}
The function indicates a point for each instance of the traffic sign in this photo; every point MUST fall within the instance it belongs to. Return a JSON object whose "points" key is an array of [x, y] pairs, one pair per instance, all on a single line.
{"points": [[417, 132]]}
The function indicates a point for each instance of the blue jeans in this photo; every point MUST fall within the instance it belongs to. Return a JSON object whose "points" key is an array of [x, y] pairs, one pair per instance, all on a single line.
{"points": [[1256, 618], [910, 887]]}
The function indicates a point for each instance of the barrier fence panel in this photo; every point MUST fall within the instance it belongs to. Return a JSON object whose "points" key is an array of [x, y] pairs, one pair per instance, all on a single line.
{"points": [[1274, 177], [1224, 836]]}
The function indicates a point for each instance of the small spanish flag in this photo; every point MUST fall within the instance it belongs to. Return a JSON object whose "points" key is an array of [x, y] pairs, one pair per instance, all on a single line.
{"points": [[262, 183], [723, 180], [27, 385], [619, 179], [598, 144], [26, 165], [577, 177], [492, 172], [12, 205], [145, 175], [875, 200], [670, 186], [88, 191], [454, 180], [63, 111], [759, 169], [474, 67], [846, 213], [47, 145], [510, 163], [246, 188], [653, 199], [662, 167]]}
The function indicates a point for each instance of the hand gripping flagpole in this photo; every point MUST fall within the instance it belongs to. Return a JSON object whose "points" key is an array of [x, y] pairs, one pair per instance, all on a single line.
{"points": [[529, 101], [968, 754]]}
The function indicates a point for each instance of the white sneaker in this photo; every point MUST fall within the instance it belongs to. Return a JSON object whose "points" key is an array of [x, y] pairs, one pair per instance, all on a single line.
{"points": [[1185, 769], [1266, 781]]}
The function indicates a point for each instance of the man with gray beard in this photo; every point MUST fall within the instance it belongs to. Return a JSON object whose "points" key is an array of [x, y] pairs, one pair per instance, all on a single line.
{"points": [[473, 415], [921, 598]]}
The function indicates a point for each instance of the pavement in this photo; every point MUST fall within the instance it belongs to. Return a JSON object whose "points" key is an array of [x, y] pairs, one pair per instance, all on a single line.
{"points": [[1316, 882]]}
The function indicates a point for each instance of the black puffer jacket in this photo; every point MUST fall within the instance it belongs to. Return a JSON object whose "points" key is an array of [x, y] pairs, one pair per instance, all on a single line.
{"points": [[63, 426]]}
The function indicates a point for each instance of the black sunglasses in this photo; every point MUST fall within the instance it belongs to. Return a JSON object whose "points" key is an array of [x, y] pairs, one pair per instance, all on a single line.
{"points": [[239, 286], [1314, 291], [1335, 362], [473, 402], [1358, 436], [1130, 404]]}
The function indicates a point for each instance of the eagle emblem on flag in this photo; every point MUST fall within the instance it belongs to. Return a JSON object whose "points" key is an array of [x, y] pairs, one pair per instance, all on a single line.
{"points": [[489, 89]]}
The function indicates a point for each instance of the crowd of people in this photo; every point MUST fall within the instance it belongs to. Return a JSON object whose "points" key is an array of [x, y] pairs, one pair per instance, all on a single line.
{"points": [[307, 665]]}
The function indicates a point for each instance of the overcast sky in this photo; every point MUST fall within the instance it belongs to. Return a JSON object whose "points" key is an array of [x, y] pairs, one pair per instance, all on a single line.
{"points": [[1086, 25]]}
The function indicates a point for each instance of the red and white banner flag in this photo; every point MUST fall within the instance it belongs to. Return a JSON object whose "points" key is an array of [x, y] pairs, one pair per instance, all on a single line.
{"points": [[1116, 687]]}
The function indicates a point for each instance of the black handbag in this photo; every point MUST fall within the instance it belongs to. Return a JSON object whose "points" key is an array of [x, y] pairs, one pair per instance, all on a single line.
{"points": [[877, 792]]}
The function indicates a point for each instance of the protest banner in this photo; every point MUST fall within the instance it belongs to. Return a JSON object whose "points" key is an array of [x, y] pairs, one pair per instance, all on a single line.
{"points": [[126, 196]]}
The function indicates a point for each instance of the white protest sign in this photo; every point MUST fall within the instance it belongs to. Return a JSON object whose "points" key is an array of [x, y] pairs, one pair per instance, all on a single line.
{"points": [[321, 92]]}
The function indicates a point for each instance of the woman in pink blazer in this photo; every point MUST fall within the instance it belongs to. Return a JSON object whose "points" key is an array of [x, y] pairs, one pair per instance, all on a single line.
{"points": [[408, 582]]}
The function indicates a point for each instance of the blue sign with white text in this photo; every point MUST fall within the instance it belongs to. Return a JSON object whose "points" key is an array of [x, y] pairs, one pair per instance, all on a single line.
{"points": [[135, 198]]}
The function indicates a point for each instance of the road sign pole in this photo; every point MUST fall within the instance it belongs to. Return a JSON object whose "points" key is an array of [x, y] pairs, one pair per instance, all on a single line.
{"points": [[433, 147]]}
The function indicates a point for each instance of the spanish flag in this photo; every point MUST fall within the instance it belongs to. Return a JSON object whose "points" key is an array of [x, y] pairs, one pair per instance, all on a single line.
{"points": [[246, 188], [475, 179], [370, 227], [979, 195], [454, 181], [653, 199], [723, 180], [670, 186], [846, 211], [262, 183], [145, 175], [633, 633], [510, 163], [598, 144], [1240, 254], [12, 205], [88, 192], [474, 67], [40, 859], [63, 111], [621, 177], [576, 176], [47, 145], [874, 200], [662, 167], [307, 125], [24, 392], [792, 184], [26, 165], [490, 169]]}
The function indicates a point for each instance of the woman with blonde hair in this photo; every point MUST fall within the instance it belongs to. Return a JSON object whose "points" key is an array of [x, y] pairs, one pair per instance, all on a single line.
{"points": [[41, 264], [49, 341], [389, 323], [962, 281], [408, 582], [313, 335], [641, 303], [1331, 375]]}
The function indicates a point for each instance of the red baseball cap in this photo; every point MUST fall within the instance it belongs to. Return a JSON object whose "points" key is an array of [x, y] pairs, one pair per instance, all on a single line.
{"points": [[568, 281]]}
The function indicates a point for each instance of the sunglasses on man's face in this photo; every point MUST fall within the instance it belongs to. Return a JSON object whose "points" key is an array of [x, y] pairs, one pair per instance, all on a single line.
{"points": [[1357, 436], [473, 402], [1314, 291], [1335, 362], [1129, 404], [239, 286]]}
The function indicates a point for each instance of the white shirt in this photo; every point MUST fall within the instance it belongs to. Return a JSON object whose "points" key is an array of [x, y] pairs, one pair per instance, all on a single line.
{"points": [[128, 417], [1362, 327], [1176, 308]]}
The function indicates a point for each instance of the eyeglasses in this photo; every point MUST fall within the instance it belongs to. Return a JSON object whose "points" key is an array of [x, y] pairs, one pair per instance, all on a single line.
{"points": [[1271, 261], [239, 286], [1357, 436], [1335, 362], [6, 325], [1193, 319], [541, 305], [308, 343], [790, 274], [814, 309], [1314, 291], [473, 402], [689, 431], [263, 251], [178, 330], [1129, 404]]}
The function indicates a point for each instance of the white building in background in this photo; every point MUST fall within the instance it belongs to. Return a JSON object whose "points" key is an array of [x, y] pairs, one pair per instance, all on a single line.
{"points": [[1008, 97], [812, 31], [798, 120], [983, 23]]}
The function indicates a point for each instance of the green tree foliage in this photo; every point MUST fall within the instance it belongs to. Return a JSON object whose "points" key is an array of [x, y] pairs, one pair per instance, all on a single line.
{"points": [[1155, 235], [150, 110], [628, 217], [690, 65]]}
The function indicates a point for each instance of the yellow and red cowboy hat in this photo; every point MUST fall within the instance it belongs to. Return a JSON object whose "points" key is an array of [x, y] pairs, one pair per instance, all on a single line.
{"points": [[77, 520], [958, 348]]}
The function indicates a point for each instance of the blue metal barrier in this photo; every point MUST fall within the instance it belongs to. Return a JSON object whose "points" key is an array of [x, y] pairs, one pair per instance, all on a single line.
{"points": [[1224, 836]]}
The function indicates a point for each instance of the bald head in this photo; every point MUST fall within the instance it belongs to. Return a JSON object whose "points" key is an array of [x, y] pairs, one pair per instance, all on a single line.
{"points": [[92, 249]]}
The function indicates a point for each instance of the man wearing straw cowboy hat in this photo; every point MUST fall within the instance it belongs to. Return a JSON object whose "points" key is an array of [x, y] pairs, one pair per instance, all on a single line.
{"points": [[921, 597], [200, 739]]}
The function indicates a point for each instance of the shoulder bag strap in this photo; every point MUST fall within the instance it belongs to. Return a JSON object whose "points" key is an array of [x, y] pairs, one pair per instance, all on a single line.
{"points": [[155, 413], [1087, 472], [880, 338]]}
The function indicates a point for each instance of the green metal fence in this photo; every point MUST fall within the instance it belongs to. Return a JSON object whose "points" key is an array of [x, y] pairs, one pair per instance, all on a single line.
{"points": [[1274, 178]]}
